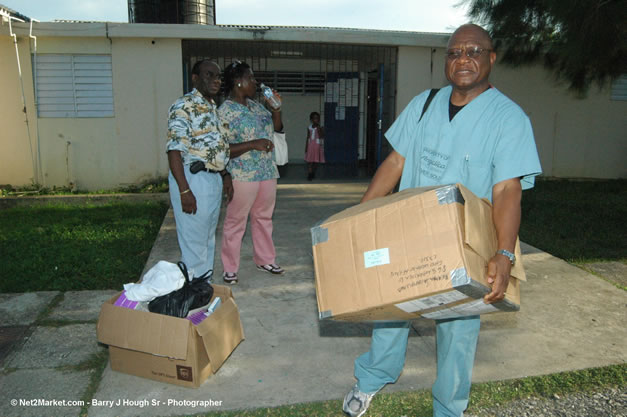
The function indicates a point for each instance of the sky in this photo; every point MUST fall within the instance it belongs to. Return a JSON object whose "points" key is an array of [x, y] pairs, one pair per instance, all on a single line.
{"points": [[404, 15]]}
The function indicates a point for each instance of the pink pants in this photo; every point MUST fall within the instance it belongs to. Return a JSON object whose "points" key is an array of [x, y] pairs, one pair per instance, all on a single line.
{"points": [[256, 198]]}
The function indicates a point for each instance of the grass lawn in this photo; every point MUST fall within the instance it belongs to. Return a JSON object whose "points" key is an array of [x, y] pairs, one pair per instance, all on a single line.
{"points": [[578, 221], [76, 248], [157, 185]]}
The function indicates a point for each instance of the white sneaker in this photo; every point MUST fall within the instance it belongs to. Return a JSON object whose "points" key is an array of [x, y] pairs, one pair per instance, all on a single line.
{"points": [[356, 403]]}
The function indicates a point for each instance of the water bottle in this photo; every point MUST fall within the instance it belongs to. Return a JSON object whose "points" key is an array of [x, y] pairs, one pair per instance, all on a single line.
{"points": [[273, 100], [213, 306]]}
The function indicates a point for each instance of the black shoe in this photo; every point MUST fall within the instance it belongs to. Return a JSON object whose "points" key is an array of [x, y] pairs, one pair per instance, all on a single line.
{"points": [[310, 177]]}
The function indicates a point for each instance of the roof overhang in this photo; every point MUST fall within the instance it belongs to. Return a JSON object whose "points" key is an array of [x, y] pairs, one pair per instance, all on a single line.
{"points": [[229, 32], [8, 12]]}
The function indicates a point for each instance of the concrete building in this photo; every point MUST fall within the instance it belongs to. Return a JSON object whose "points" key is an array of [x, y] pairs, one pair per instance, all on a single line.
{"points": [[85, 104]]}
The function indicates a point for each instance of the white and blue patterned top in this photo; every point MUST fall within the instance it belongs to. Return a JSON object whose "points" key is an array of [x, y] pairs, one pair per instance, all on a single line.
{"points": [[242, 124], [195, 130]]}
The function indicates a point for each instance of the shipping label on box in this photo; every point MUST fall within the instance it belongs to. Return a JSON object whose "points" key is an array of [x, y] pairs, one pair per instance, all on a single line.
{"points": [[396, 257]]}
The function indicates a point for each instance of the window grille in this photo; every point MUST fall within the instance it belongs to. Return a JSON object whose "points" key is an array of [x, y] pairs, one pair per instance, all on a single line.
{"points": [[292, 82], [619, 89], [74, 85]]}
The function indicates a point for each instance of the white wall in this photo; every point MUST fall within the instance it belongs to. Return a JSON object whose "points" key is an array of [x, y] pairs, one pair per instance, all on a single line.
{"points": [[72, 149], [576, 138], [148, 78], [94, 153], [18, 158]]}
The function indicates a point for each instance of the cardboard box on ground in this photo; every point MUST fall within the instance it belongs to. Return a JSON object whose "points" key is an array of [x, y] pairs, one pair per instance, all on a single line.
{"points": [[419, 252], [170, 349]]}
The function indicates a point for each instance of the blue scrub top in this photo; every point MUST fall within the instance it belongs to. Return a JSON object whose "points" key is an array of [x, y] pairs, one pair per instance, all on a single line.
{"points": [[489, 140]]}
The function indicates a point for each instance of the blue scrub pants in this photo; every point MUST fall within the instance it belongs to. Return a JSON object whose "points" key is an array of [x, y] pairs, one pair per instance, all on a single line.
{"points": [[197, 232], [456, 343]]}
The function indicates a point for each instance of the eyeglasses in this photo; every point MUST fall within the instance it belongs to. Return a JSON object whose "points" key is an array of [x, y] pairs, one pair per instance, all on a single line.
{"points": [[471, 52], [213, 75]]}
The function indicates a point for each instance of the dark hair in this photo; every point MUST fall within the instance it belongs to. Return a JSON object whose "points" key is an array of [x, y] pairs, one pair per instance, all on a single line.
{"points": [[196, 67], [314, 113], [231, 73]]}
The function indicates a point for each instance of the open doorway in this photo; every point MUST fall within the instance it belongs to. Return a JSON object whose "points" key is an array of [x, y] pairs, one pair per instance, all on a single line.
{"points": [[300, 72]]}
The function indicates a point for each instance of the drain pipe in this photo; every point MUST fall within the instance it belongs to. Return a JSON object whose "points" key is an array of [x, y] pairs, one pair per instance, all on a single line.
{"points": [[40, 171], [70, 184], [19, 71]]}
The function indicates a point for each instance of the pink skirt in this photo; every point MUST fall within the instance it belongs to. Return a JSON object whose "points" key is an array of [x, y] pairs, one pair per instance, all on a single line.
{"points": [[315, 152]]}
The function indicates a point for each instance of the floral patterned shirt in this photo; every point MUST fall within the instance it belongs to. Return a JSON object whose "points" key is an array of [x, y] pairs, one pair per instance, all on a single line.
{"points": [[195, 130], [242, 124]]}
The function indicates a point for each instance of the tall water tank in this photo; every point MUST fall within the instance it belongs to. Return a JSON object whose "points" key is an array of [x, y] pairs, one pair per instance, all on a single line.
{"points": [[200, 12]]}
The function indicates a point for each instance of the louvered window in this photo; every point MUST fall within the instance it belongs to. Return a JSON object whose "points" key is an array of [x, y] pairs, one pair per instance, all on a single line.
{"points": [[74, 85], [292, 82], [619, 89]]}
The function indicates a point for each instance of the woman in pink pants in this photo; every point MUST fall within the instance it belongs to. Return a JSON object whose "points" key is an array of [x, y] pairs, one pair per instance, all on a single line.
{"points": [[249, 126]]}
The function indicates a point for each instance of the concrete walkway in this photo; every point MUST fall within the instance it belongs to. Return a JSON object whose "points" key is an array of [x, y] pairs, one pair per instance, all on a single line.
{"points": [[570, 319]]}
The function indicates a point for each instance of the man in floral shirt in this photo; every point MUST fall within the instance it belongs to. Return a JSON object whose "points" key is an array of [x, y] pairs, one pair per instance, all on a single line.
{"points": [[197, 155]]}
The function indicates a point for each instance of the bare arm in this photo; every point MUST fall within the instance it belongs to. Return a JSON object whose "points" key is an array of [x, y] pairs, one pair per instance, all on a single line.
{"points": [[387, 176], [227, 185], [506, 213], [237, 149], [277, 121], [188, 200]]}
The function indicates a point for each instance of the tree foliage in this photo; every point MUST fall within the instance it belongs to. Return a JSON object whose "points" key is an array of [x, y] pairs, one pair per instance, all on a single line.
{"points": [[582, 41]]}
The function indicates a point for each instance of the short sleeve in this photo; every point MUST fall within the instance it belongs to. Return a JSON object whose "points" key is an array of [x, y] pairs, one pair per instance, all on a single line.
{"points": [[179, 129], [516, 155], [403, 129], [226, 117]]}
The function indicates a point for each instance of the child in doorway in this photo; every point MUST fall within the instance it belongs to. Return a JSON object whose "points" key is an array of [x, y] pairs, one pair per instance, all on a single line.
{"points": [[314, 145]]}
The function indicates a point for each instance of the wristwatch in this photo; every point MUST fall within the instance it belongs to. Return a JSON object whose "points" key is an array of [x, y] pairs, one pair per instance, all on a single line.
{"points": [[511, 256]]}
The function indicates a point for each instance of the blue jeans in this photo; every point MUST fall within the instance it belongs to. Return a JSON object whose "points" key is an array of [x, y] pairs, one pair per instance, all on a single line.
{"points": [[456, 343], [196, 233]]}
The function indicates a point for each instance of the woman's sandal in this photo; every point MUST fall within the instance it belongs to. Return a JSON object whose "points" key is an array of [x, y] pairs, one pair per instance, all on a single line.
{"points": [[230, 277], [271, 268]]}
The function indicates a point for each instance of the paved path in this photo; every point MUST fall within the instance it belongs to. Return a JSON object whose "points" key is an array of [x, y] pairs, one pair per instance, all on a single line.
{"points": [[570, 319]]}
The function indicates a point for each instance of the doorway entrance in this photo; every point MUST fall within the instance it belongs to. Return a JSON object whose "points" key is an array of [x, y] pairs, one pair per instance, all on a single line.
{"points": [[303, 73]]}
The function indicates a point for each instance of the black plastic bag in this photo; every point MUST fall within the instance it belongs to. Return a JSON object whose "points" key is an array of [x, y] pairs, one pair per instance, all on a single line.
{"points": [[193, 294]]}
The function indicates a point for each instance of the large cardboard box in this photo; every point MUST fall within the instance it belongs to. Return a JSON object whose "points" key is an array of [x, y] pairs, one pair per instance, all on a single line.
{"points": [[170, 349], [422, 251]]}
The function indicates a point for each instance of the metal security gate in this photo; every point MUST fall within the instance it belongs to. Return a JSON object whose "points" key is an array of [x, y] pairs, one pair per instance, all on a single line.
{"points": [[364, 76], [341, 119]]}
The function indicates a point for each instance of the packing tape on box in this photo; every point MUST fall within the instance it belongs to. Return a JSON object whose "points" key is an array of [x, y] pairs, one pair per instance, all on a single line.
{"points": [[473, 289], [325, 314], [459, 277], [449, 194], [506, 305], [463, 283], [319, 234]]}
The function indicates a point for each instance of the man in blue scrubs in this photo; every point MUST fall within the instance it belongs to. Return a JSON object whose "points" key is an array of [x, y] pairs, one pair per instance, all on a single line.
{"points": [[472, 134]]}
